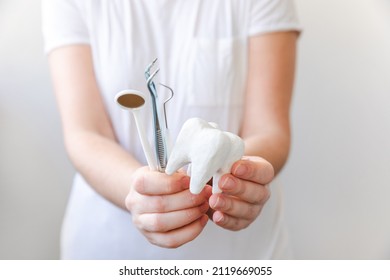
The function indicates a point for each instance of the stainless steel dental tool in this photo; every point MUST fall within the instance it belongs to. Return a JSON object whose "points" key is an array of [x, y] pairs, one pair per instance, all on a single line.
{"points": [[168, 140], [165, 103], [160, 133], [133, 101]]}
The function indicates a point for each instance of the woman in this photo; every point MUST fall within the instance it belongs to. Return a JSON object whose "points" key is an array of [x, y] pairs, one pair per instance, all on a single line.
{"points": [[230, 62]]}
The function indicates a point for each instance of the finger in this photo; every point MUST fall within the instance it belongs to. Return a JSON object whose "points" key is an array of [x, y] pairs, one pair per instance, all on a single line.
{"points": [[234, 207], [168, 203], [246, 190], [157, 183], [164, 222], [228, 222], [178, 237], [254, 169]]}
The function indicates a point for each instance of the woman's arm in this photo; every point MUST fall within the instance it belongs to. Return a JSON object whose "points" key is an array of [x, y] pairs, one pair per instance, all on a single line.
{"points": [[266, 125], [265, 130], [162, 207], [88, 134]]}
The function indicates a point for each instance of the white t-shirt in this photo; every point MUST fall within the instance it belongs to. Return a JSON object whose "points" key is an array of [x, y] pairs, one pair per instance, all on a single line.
{"points": [[201, 46]]}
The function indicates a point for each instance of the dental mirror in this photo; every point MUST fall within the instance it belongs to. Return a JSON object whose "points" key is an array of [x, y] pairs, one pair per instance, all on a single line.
{"points": [[133, 101]]}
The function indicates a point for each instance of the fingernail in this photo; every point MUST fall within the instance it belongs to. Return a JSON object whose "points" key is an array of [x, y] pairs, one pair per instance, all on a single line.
{"points": [[218, 218], [220, 203], [228, 183], [240, 170]]}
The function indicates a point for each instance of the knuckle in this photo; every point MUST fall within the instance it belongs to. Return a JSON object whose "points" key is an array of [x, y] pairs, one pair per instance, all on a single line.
{"points": [[229, 205], [245, 225], [171, 243], [155, 223], [169, 185], [240, 187], [137, 222], [153, 240], [192, 199], [267, 194], [160, 204], [259, 170], [192, 213], [266, 172], [259, 196], [235, 225], [130, 202], [148, 223], [172, 184], [164, 241], [252, 212], [139, 183]]}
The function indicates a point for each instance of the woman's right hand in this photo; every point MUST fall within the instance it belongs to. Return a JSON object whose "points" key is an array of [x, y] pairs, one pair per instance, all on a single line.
{"points": [[164, 210]]}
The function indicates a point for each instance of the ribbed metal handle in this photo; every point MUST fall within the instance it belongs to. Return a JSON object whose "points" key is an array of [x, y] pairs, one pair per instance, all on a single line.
{"points": [[161, 151]]}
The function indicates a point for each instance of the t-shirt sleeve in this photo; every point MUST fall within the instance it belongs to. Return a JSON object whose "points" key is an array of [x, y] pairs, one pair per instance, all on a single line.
{"points": [[62, 24], [273, 15]]}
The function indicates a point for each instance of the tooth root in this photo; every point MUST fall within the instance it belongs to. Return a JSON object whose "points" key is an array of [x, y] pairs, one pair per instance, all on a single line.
{"points": [[216, 180], [210, 151], [173, 168], [176, 161], [201, 173]]}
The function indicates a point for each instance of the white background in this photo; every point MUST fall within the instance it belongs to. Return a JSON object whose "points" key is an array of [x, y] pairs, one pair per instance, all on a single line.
{"points": [[337, 179]]}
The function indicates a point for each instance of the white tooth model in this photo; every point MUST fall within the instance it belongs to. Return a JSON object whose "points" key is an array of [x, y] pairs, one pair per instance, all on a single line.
{"points": [[210, 151]]}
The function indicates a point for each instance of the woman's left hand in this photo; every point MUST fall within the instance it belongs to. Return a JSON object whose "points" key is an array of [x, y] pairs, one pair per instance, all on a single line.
{"points": [[244, 193]]}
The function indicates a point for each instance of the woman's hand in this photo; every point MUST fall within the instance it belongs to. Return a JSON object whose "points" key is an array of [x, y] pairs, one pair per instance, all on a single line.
{"points": [[164, 210], [244, 193]]}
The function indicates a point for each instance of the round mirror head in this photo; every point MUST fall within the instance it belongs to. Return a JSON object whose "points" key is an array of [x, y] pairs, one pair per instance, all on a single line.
{"points": [[130, 100]]}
